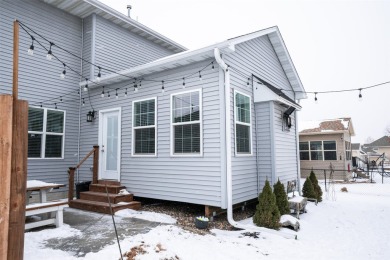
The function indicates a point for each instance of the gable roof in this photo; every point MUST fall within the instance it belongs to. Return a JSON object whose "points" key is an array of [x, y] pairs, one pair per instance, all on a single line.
{"points": [[381, 142], [328, 126], [84, 8], [192, 56]]}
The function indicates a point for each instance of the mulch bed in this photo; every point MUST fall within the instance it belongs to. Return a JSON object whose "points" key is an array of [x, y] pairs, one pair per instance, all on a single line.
{"points": [[185, 214]]}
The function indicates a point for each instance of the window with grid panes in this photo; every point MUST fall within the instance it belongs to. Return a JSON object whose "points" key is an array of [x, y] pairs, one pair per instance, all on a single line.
{"points": [[144, 127], [243, 124], [186, 123], [45, 133]]}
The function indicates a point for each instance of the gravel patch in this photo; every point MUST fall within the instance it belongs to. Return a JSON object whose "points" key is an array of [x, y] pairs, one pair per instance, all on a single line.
{"points": [[185, 213]]}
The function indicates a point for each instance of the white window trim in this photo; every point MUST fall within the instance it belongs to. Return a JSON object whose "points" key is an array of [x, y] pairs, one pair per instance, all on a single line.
{"points": [[133, 154], [242, 123], [323, 150], [43, 133], [200, 121]]}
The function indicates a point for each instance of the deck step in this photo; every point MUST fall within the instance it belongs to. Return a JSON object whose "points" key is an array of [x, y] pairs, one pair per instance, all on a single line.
{"points": [[109, 182], [102, 197], [114, 189], [103, 207]]}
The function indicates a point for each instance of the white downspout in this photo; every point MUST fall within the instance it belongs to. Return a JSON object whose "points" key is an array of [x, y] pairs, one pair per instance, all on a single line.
{"points": [[229, 183]]}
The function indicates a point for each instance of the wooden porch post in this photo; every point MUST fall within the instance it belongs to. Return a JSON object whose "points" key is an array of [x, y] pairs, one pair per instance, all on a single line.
{"points": [[6, 104], [71, 183], [95, 164]]}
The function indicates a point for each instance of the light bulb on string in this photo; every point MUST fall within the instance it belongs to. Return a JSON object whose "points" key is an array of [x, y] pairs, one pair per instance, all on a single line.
{"points": [[99, 75], [315, 98], [135, 87], [41, 104], [162, 87], [49, 54], [360, 94], [108, 94], [61, 99], [83, 102], [116, 93], [212, 65], [200, 76], [102, 95], [248, 82], [184, 83], [86, 85], [126, 92], [55, 105], [31, 49], [63, 74]]}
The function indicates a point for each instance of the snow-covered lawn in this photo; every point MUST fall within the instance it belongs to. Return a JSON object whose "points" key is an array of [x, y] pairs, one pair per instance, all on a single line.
{"points": [[353, 226]]}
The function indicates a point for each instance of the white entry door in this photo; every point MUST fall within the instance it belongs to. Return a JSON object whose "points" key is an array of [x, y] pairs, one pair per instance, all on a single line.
{"points": [[110, 144]]}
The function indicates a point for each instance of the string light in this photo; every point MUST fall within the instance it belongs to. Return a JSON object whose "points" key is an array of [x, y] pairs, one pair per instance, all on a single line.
{"points": [[200, 76], [360, 94], [247, 83], [99, 75], [102, 95], [41, 104], [63, 74], [83, 102], [86, 85], [162, 87], [126, 92], [108, 94], [31, 49], [49, 54], [315, 98], [184, 82], [135, 87], [212, 64], [140, 81], [61, 99], [116, 93], [55, 105]]}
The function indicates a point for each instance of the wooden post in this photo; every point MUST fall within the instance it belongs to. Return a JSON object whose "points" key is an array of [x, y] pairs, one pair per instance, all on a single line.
{"points": [[6, 104], [71, 183], [18, 180], [15, 72], [95, 164]]}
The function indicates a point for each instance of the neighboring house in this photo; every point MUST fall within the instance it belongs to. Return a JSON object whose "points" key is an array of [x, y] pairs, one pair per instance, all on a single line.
{"points": [[325, 142], [377, 148], [358, 155], [168, 138]]}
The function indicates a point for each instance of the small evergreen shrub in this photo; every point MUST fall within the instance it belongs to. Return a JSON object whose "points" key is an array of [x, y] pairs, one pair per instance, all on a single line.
{"points": [[281, 198], [308, 190], [267, 213], [316, 186]]}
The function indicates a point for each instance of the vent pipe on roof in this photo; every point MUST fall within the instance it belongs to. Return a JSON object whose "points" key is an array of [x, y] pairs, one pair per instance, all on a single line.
{"points": [[128, 10]]}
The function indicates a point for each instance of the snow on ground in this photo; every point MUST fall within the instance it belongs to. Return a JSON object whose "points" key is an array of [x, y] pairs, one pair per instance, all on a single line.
{"points": [[349, 225], [146, 215]]}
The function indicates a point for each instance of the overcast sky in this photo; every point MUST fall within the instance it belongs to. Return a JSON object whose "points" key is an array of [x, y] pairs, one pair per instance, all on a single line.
{"points": [[334, 45]]}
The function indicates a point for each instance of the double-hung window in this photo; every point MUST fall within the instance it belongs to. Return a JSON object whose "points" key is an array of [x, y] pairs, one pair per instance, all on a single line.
{"points": [[243, 124], [46, 129], [144, 127], [186, 123], [318, 150]]}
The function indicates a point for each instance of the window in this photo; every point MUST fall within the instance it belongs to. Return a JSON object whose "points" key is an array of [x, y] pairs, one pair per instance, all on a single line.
{"points": [[348, 151], [144, 127], [45, 133], [186, 123], [243, 124], [318, 151]]}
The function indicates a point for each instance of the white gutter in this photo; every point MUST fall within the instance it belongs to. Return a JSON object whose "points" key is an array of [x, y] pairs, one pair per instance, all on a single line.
{"points": [[229, 183]]}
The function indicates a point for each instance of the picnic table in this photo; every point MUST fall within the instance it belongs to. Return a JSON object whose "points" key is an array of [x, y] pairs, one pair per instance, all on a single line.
{"points": [[54, 209]]}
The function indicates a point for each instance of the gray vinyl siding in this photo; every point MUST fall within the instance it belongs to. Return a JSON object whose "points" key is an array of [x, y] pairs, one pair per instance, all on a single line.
{"points": [[87, 46], [39, 79], [264, 148], [187, 179], [285, 148], [117, 48], [256, 57]]}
